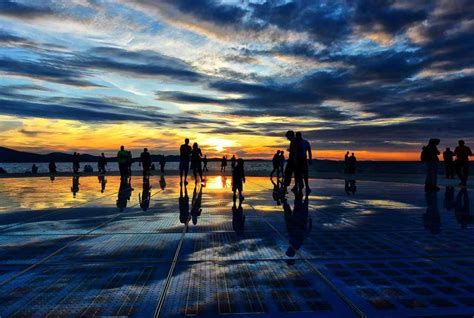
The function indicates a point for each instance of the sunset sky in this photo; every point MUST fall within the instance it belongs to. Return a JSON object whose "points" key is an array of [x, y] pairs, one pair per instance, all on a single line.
{"points": [[375, 77]]}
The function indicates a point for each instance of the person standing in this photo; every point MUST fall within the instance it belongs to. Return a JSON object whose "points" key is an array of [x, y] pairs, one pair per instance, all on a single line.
{"points": [[204, 161], [184, 153], [223, 163], [233, 160], [429, 156], [282, 162], [102, 163], [290, 165], [52, 167], [304, 160], [122, 159], [448, 163], [162, 163], [462, 153], [196, 166], [145, 162], [76, 162], [276, 164], [346, 163], [238, 179]]}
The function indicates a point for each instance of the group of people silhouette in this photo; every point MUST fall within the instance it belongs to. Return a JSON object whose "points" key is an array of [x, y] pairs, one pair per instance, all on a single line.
{"points": [[429, 155]]}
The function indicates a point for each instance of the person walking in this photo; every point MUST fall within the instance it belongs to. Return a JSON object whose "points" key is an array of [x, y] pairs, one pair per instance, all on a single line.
{"points": [[429, 155], [238, 179], [102, 163], [184, 153], [304, 160], [204, 161], [462, 153], [448, 163]]}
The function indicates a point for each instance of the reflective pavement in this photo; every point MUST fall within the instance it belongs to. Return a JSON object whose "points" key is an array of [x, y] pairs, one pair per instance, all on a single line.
{"points": [[100, 247]]}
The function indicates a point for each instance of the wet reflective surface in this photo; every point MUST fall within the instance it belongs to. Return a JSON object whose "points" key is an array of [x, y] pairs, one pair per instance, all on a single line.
{"points": [[100, 247]]}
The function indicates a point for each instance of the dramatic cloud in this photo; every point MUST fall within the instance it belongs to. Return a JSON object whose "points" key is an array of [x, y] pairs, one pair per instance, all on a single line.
{"points": [[380, 75]]}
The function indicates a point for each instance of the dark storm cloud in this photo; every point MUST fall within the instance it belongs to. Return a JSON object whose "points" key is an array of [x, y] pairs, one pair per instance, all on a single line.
{"points": [[375, 14], [188, 98]]}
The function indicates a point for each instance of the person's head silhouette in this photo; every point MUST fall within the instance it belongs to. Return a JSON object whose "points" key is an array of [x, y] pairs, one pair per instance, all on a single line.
{"points": [[186, 141], [461, 142], [145, 150], [290, 135], [195, 145], [122, 148], [448, 149]]}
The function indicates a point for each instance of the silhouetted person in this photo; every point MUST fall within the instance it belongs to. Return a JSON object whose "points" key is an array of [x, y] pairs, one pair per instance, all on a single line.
{"points": [[184, 153], [432, 219], [34, 169], [303, 161], [291, 163], [124, 194], [462, 153], [346, 162], [129, 163], [76, 165], [103, 183], [223, 163], [183, 205], [52, 167], [145, 162], [282, 163], [462, 209], [448, 163], [122, 159], [75, 186], [102, 163], [204, 161], [429, 155], [238, 219], [298, 223], [196, 204], [449, 198], [233, 161], [238, 179], [351, 164], [196, 166], [162, 163], [162, 182], [276, 164], [144, 198]]}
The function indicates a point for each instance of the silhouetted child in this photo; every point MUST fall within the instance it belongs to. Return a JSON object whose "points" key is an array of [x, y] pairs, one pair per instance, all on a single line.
{"points": [[238, 179]]}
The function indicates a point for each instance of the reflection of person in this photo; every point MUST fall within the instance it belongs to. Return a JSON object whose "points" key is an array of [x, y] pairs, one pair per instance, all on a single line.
{"points": [[196, 204], [144, 198], [75, 185], [448, 202], [183, 205], [432, 219], [462, 209], [298, 223], [124, 194], [103, 183], [238, 219], [276, 194], [350, 186], [162, 182]]}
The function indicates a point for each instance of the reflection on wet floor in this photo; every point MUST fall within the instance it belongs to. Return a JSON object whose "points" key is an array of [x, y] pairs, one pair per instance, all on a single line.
{"points": [[88, 246]]}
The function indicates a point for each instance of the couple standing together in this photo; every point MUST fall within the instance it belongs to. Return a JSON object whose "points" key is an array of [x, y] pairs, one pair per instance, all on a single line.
{"points": [[185, 153], [299, 159]]}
